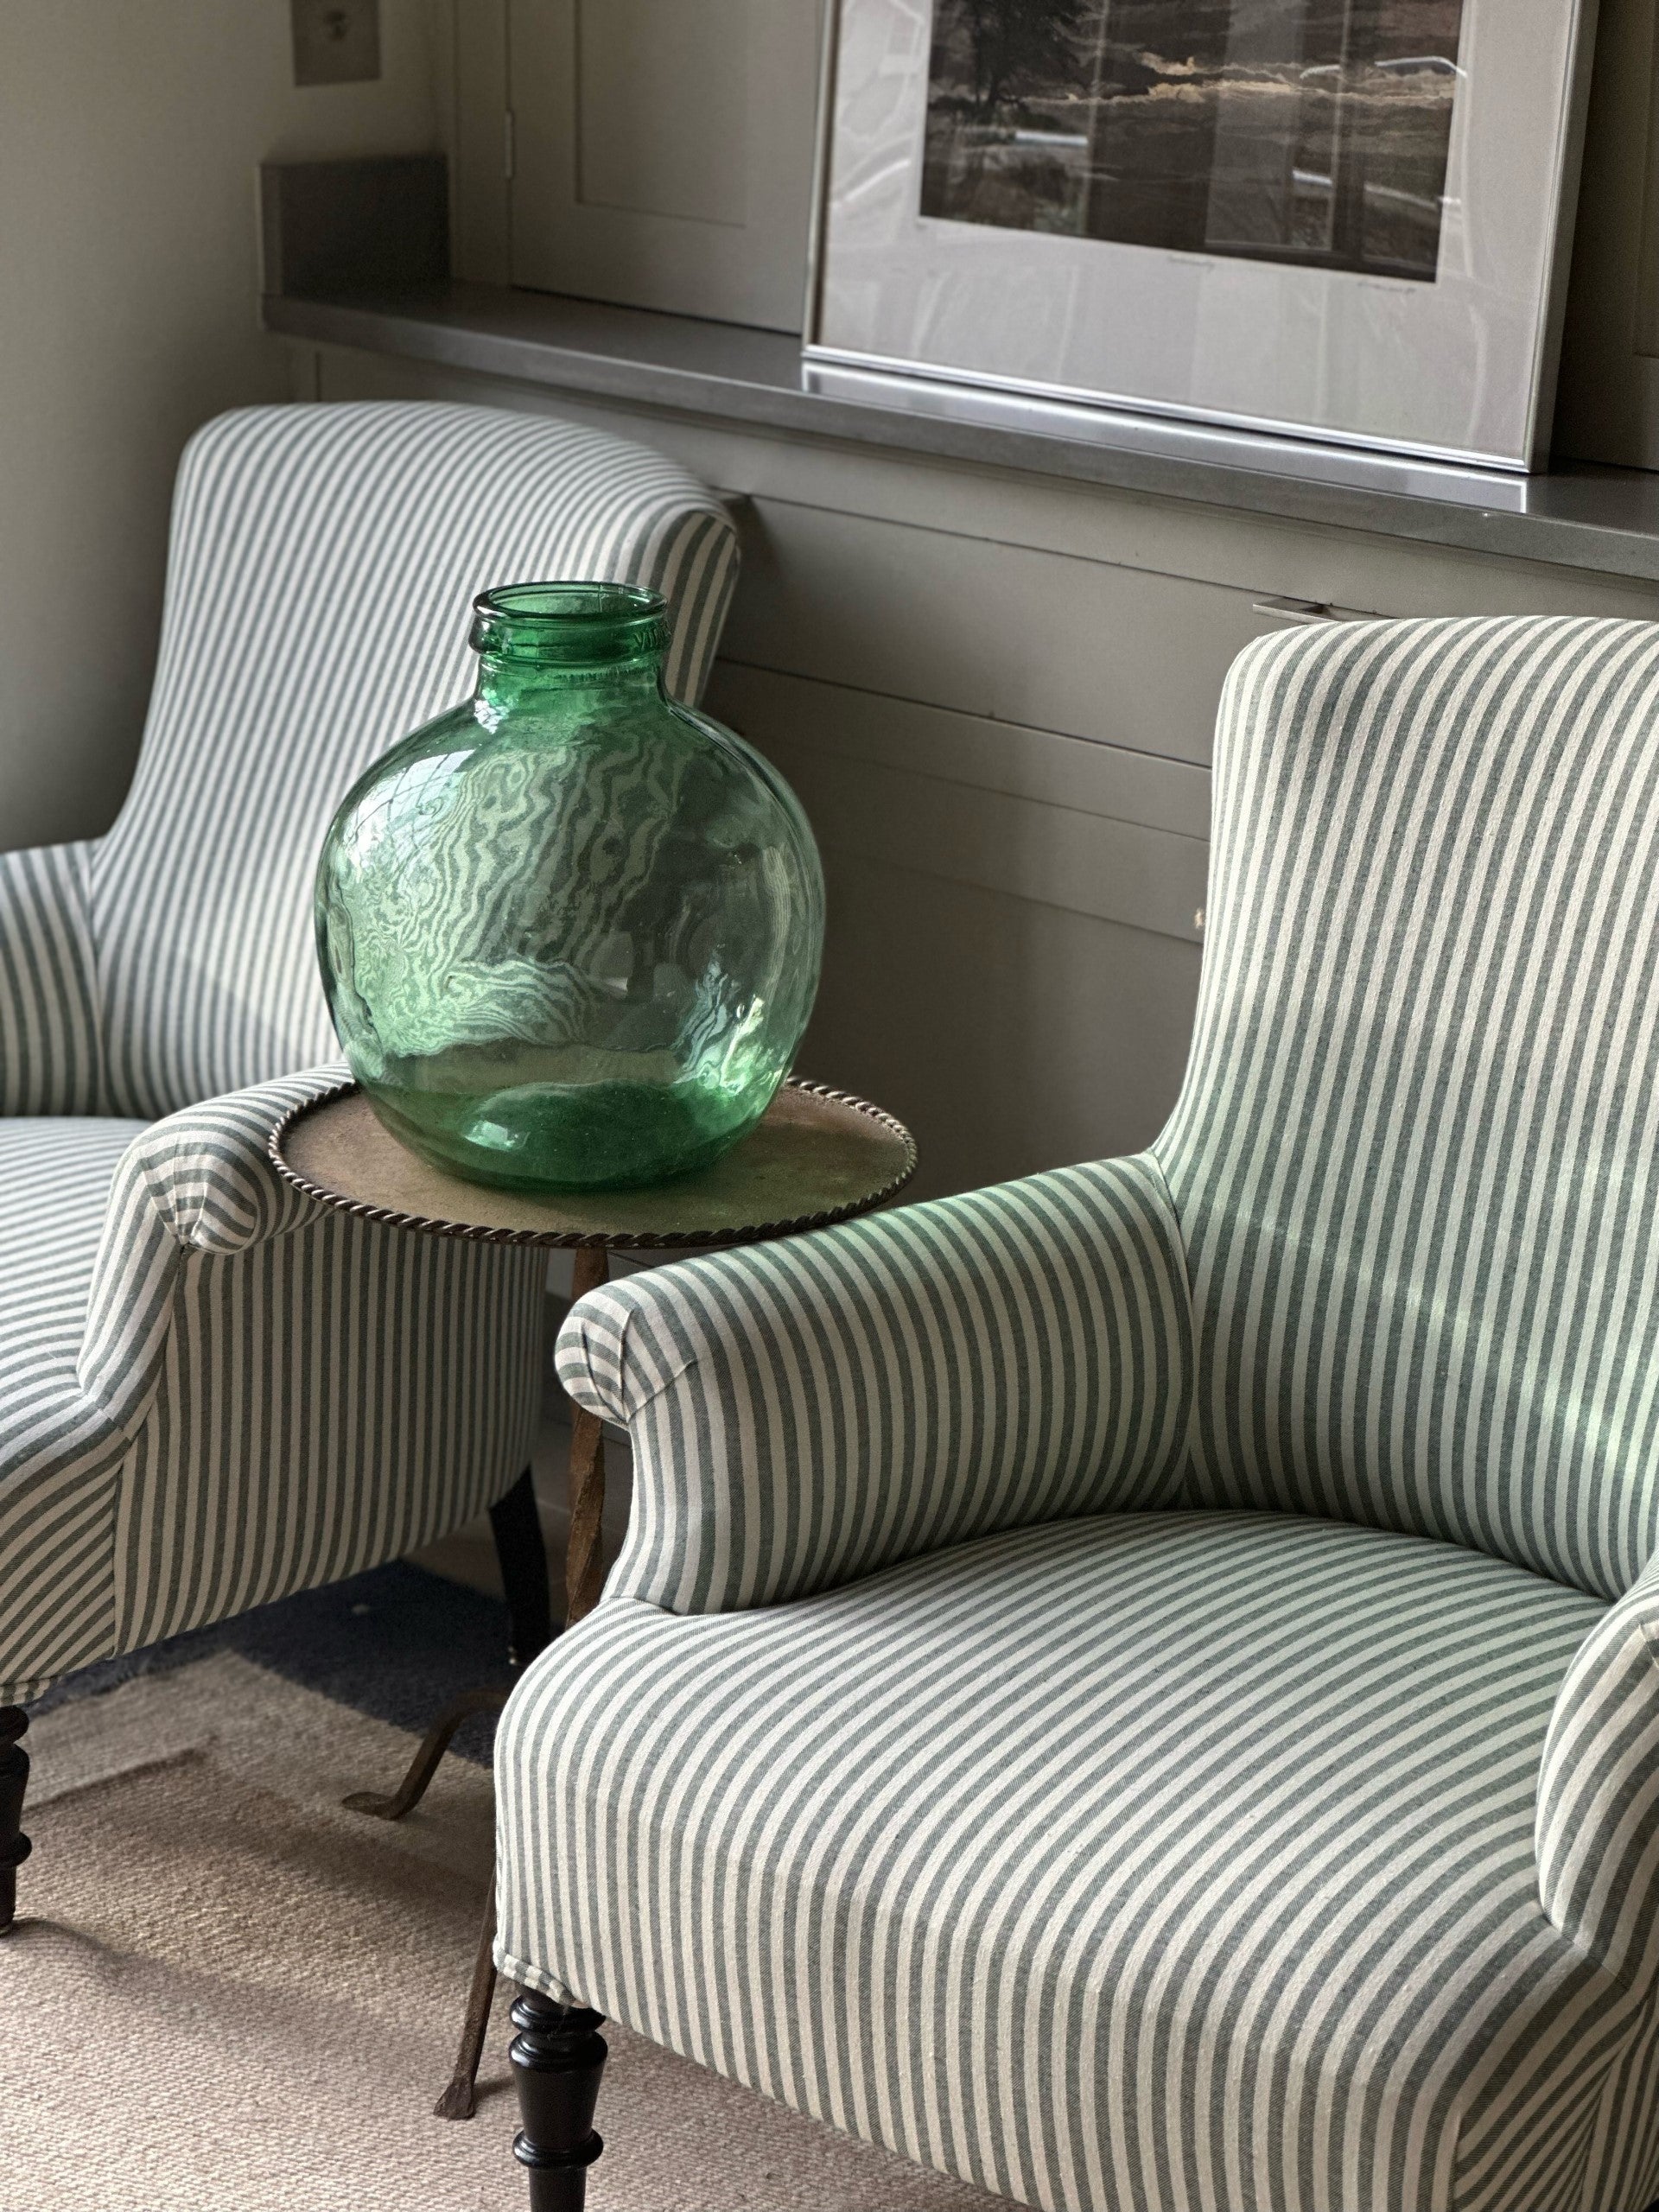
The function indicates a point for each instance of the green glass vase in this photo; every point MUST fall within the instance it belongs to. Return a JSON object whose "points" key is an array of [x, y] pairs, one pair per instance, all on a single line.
{"points": [[570, 930]]}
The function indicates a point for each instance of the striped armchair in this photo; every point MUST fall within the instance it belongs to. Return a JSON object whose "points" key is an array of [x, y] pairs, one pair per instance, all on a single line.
{"points": [[1139, 1688], [212, 1391]]}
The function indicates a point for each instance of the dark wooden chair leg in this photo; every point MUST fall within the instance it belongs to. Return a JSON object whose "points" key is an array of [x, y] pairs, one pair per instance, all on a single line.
{"points": [[557, 2056], [517, 1528], [15, 1846], [522, 1551], [425, 1764], [460, 2097]]}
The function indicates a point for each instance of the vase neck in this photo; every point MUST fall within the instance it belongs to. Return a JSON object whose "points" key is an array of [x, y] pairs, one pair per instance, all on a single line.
{"points": [[536, 641], [506, 687]]}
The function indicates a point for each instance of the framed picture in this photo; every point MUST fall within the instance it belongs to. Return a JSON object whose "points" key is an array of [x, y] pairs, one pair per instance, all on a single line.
{"points": [[1343, 219]]}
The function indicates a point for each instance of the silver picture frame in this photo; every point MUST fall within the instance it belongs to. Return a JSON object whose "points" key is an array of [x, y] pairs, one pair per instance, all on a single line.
{"points": [[952, 249]]}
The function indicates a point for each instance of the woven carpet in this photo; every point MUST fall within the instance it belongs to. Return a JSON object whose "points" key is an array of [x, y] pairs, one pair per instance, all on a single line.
{"points": [[229, 1992]]}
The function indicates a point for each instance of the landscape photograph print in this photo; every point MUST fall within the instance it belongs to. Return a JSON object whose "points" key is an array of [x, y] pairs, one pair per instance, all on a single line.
{"points": [[1305, 131]]}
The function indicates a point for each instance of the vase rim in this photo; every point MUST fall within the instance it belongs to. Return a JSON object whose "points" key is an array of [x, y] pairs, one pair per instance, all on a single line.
{"points": [[577, 621]]}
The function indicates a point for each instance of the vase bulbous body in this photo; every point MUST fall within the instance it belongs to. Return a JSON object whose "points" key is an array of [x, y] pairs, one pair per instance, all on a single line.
{"points": [[570, 930]]}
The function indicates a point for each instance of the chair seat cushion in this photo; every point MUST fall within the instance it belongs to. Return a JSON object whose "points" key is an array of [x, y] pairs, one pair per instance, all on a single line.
{"points": [[54, 1183], [1156, 1861]]}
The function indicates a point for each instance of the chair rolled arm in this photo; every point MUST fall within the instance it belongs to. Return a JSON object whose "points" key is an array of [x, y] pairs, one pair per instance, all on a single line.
{"points": [[208, 1174], [200, 1181], [50, 1061], [803, 1412], [1597, 1830]]}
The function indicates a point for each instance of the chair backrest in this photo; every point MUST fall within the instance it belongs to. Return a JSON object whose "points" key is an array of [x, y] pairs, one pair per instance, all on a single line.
{"points": [[322, 564], [1416, 1158]]}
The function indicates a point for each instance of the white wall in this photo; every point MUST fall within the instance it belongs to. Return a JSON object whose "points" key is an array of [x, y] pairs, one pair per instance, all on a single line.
{"points": [[129, 133]]}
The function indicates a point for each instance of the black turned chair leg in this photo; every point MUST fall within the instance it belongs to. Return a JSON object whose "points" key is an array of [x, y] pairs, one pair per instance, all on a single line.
{"points": [[517, 1528], [14, 1780], [557, 2057]]}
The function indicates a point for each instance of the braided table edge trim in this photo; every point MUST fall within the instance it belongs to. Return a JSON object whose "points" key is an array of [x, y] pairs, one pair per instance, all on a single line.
{"points": [[629, 1240]]}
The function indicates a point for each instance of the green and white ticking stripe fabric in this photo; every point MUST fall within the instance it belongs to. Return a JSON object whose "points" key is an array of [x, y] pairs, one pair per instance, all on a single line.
{"points": [[212, 1390], [1140, 1688]]}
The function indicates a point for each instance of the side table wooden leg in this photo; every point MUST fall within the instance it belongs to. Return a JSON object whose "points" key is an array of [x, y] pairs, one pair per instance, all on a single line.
{"points": [[584, 1566]]}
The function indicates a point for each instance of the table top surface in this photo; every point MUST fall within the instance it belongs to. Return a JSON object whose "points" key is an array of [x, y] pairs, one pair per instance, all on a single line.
{"points": [[817, 1156]]}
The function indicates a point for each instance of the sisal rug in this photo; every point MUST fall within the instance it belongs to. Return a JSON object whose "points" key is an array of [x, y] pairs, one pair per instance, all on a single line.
{"points": [[229, 1995]]}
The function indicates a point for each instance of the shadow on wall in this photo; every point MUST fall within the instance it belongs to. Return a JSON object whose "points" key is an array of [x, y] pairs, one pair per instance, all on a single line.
{"points": [[130, 139]]}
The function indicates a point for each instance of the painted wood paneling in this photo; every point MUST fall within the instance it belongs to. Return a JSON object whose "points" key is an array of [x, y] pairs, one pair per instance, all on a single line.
{"points": [[1011, 1035], [909, 805], [1012, 947], [472, 36], [990, 629], [1035, 764], [663, 152]]}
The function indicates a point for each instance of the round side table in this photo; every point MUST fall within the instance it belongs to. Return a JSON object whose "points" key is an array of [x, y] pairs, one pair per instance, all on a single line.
{"points": [[816, 1157]]}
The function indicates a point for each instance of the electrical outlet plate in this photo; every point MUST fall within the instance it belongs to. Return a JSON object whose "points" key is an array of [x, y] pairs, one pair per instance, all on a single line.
{"points": [[336, 42]]}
